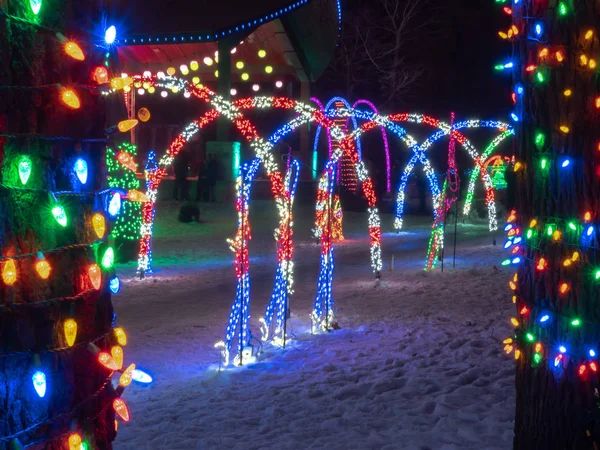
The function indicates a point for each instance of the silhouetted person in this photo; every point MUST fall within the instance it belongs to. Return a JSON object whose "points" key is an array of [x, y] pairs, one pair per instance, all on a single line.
{"points": [[181, 171], [212, 173]]}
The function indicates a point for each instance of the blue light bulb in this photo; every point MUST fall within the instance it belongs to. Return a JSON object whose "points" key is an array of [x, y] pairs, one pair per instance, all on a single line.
{"points": [[516, 260], [81, 170], [562, 349], [539, 29], [592, 353], [508, 226], [110, 35], [114, 205], [566, 162], [39, 383], [141, 377], [590, 230], [544, 318], [114, 285], [514, 117]]}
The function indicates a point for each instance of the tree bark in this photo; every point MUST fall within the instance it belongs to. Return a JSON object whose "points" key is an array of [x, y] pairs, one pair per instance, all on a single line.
{"points": [[78, 397]]}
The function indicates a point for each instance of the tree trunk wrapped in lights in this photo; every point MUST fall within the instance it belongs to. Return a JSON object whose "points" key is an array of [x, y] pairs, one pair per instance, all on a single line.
{"points": [[553, 232], [56, 314]]}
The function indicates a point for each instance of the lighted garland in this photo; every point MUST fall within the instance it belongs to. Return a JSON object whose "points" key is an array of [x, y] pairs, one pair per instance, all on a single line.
{"points": [[536, 323], [283, 287], [121, 168]]}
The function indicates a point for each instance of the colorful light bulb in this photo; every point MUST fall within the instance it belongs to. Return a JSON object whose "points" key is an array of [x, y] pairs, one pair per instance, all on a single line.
{"points": [[110, 34], [100, 75], [99, 225], [35, 6], [107, 361], [25, 166], [140, 376], [9, 272], [127, 161], [74, 51], [194, 65], [208, 61], [95, 275], [126, 125], [39, 383], [75, 442], [70, 330], [114, 206], [121, 409], [114, 284], [137, 196], [43, 269], [109, 258], [126, 378], [245, 76], [69, 98], [117, 355], [144, 114], [60, 215], [564, 288], [269, 69], [262, 53], [120, 335], [81, 170]]}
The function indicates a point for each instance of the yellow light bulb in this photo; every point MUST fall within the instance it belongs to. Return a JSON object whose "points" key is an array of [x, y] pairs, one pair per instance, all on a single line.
{"points": [[74, 51], [533, 223], [121, 336], [117, 355], [69, 98], [544, 53], [559, 56], [99, 224], [151, 89], [502, 34], [262, 53], [117, 83], [126, 125], [556, 235], [507, 341], [517, 354], [592, 64], [9, 272], [137, 196], [589, 34], [216, 73], [565, 129], [567, 262], [126, 88], [75, 442], [126, 376], [245, 76], [194, 65], [239, 65], [70, 330], [575, 256], [567, 92], [196, 80], [171, 71], [583, 60], [514, 321], [269, 69], [144, 114], [43, 269]]}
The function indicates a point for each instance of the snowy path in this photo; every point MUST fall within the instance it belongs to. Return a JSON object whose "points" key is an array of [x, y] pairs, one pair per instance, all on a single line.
{"points": [[417, 365]]}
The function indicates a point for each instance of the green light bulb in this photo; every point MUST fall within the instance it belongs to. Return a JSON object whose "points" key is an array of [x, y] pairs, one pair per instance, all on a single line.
{"points": [[576, 322], [562, 9], [598, 275], [35, 5], [537, 358], [529, 233], [530, 337], [109, 258], [540, 77], [60, 215], [540, 139], [572, 226], [24, 169], [544, 163]]}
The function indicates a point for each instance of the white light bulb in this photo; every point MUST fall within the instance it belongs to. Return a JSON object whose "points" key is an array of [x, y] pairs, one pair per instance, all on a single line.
{"points": [[255, 87], [279, 84]]}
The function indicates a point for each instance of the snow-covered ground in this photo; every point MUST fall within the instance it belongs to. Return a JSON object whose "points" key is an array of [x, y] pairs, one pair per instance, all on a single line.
{"points": [[418, 363]]}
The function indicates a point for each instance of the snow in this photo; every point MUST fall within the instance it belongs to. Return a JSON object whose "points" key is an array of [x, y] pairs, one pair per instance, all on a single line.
{"points": [[418, 363]]}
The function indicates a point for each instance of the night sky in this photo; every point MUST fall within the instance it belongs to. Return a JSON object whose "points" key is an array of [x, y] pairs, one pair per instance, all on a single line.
{"points": [[459, 53]]}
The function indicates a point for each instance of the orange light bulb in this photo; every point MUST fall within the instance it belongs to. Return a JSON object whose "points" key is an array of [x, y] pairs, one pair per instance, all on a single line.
{"points": [[126, 125], [95, 275], [9, 272], [117, 355], [514, 321], [107, 361], [69, 98], [559, 56], [99, 224], [100, 75], [74, 51], [564, 288], [121, 409], [517, 354], [70, 329], [588, 216], [127, 161], [43, 269]]}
